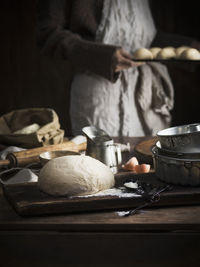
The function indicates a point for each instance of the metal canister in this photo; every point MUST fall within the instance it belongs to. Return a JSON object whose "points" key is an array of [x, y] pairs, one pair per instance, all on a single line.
{"points": [[102, 147]]}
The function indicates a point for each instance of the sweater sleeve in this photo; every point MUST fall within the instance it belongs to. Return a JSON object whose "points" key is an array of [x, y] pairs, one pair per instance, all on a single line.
{"points": [[57, 41], [164, 39]]}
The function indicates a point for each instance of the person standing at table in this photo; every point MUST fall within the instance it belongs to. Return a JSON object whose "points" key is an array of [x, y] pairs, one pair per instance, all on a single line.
{"points": [[109, 90]]}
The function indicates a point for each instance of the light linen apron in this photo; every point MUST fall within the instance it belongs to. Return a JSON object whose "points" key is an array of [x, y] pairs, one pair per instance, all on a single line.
{"points": [[112, 106]]}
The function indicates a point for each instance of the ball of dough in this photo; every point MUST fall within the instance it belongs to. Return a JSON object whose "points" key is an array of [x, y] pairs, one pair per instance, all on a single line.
{"points": [[179, 50], [166, 53], [155, 51], [170, 47], [143, 53], [75, 175], [190, 54]]}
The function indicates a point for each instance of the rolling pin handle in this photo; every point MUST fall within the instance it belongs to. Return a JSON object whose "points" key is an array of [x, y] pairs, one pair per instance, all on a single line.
{"points": [[4, 163]]}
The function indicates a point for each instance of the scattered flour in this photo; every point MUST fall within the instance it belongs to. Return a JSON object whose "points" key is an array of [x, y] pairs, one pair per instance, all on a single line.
{"points": [[118, 192], [122, 213], [131, 185]]}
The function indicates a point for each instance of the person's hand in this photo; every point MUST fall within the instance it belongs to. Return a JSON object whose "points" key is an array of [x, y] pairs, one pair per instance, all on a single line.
{"points": [[195, 44], [123, 60]]}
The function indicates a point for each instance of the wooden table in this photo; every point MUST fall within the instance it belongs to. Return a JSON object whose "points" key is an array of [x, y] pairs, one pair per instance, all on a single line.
{"points": [[154, 237]]}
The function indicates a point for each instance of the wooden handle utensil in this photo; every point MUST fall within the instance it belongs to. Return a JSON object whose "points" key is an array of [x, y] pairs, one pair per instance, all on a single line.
{"points": [[25, 157]]}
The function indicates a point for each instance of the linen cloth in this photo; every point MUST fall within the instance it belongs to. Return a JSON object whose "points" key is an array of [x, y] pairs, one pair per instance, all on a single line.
{"points": [[16, 175]]}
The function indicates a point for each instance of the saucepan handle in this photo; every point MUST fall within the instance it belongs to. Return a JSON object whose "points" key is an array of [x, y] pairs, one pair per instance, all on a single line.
{"points": [[118, 154]]}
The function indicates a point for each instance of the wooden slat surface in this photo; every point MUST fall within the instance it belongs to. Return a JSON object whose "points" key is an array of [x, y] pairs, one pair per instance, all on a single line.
{"points": [[173, 219], [28, 200], [165, 219]]}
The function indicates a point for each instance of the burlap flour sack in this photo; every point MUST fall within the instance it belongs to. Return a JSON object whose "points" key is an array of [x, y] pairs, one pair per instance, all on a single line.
{"points": [[31, 127]]}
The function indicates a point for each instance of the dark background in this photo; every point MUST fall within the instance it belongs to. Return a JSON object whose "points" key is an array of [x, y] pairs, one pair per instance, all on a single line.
{"points": [[27, 79]]}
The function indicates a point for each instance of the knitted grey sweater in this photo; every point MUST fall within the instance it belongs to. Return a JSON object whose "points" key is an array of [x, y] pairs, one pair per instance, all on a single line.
{"points": [[67, 28]]}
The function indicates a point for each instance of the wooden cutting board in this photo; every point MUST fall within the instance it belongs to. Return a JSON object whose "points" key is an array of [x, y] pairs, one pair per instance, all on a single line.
{"points": [[28, 200], [143, 150]]}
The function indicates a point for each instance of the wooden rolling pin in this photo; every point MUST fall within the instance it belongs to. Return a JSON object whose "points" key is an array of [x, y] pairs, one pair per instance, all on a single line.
{"points": [[25, 157]]}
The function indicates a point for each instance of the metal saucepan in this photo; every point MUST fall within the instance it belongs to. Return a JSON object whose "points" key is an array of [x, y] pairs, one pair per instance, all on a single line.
{"points": [[185, 138], [176, 170], [46, 156], [175, 154]]}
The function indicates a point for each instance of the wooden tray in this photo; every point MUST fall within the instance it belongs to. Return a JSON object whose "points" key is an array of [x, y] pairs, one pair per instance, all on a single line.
{"points": [[167, 60], [28, 200], [143, 152]]}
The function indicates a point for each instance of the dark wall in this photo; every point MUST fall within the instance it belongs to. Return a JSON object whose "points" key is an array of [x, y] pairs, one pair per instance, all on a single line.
{"points": [[27, 79], [179, 17]]}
